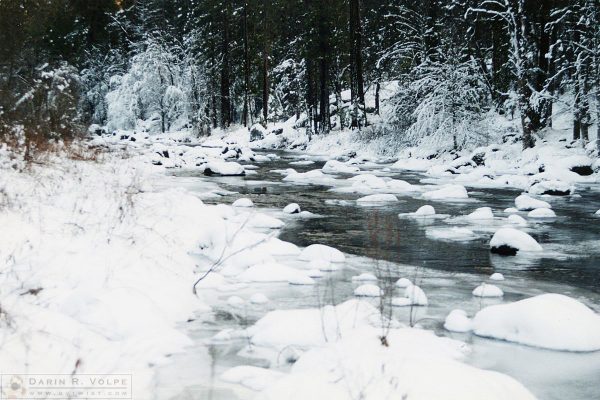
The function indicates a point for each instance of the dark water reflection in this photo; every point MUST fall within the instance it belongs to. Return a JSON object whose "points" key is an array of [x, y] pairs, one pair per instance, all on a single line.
{"points": [[571, 241]]}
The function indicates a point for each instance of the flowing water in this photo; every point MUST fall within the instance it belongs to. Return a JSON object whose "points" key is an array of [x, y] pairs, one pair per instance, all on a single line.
{"points": [[391, 247]]}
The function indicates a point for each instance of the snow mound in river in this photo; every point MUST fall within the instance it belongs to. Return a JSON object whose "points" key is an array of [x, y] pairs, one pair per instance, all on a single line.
{"points": [[358, 366], [509, 241], [447, 192], [322, 252], [551, 321], [525, 202]]}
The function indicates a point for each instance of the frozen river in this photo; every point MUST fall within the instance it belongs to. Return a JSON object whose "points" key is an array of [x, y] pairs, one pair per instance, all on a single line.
{"points": [[389, 246]]}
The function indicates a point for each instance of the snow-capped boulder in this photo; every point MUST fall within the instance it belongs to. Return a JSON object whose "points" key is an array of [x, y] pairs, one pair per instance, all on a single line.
{"points": [[413, 296], [425, 211], [496, 276], [223, 168], [365, 182], [525, 202], [486, 290], [364, 277], [552, 187], [259, 298], [481, 213], [323, 253], [378, 198], [511, 210], [292, 208], [580, 164], [403, 283], [509, 241], [541, 213], [516, 219], [447, 192], [368, 290], [551, 321], [336, 167], [260, 220], [257, 132], [400, 186], [235, 301], [243, 202], [457, 321]]}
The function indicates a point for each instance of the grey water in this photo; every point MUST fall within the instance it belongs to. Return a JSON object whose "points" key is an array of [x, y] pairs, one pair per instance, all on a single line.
{"points": [[391, 247]]}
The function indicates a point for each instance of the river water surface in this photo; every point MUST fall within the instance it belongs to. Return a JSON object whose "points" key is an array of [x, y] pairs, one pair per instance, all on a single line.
{"points": [[390, 246]]}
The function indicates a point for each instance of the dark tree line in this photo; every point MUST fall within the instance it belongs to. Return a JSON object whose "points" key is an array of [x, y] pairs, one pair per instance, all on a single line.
{"points": [[258, 61]]}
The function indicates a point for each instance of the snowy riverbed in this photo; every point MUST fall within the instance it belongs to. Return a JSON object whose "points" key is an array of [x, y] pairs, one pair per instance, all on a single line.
{"points": [[132, 240]]}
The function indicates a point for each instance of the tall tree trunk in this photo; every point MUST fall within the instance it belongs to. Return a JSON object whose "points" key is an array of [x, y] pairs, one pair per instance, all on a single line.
{"points": [[357, 84], [377, 88], [225, 83], [246, 66], [265, 64]]}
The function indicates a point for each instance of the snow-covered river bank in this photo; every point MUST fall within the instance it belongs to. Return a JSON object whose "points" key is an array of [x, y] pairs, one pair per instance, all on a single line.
{"points": [[447, 256]]}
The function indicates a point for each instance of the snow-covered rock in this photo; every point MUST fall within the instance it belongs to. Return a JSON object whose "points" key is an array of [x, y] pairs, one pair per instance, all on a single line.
{"points": [[551, 321], [452, 233], [457, 321], [292, 208], [486, 290], [335, 167], [413, 296], [509, 241], [315, 176], [377, 198], [525, 202], [481, 213], [511, 210], [541, 213], [323, 253], [551, 187], [425, 211], [235, 301], [496, 276], [447, 192], [223, 168], [368, 290], [403, 283], [516, 219], [255, 378], [258, 298], [243, 202], [364, 277]]}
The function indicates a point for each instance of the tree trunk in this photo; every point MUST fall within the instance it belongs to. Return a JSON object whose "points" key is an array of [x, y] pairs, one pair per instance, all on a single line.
{"points": [[225, 89], [265, 65], [377, 88], [246, 66], [356, 66]]}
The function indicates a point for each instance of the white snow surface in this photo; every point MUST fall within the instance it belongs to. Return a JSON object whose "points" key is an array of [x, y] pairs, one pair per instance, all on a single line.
{"points": [[525, 202], [516, 239], [447, 192], [458, 321], [368, 290], [551, 321], [541, 213], [321, 252], [487, 290]]}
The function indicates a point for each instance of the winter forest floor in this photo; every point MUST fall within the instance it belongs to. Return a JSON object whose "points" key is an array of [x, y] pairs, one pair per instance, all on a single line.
{"points": [[101, 251]]}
